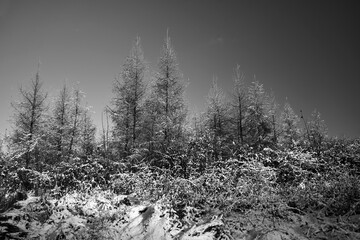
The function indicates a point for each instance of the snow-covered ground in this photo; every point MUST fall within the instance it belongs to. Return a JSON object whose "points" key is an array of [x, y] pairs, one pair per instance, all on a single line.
{"points": [[104, 215]]}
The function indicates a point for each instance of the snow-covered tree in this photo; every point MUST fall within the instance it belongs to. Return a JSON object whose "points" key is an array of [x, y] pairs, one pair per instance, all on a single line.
{"points": [[317, 130], [76, 110], [87, 133], [168, 91], [29, 119], [149, 127], [2, 147], [272, 116], [289, 126], [217, 113], [129, 90], [239, 104], [105, 127], [61, 122], [257, 120], [216, 116]]}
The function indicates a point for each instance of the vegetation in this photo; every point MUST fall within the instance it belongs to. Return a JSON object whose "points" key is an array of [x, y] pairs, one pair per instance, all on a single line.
{"points": [[237, 159]]}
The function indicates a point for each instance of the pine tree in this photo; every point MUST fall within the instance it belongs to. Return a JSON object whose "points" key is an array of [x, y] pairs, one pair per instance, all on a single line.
{"points": [[257, 120], [129, 92], [87, 133], [2, 146], [217, 116], [317, 130], [149, 128], [105, 132], [239, 104], [29, 118], [271, 112], [61, 122], [75, 118], [216, 109], [168, 91], [289, 126]]}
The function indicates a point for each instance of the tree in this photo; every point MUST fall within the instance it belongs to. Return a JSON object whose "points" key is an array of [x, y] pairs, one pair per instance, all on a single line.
{"points": [[217, 116], [120, 116], [75, 117], [239, 104], [129, 92], [87, 133], [216, 110], [149, 127], [257, 120], [289, 126], [317, 130], [29, 118], [168, 90], [271, 109], [198, 126], [105, 132], [61, 122], [2, 146]]}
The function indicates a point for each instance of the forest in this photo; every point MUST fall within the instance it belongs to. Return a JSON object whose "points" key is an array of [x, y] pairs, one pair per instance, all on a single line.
{"points": [[245, 168]]}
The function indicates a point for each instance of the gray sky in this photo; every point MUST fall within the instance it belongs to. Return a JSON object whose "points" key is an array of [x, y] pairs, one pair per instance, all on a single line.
{"points": [[307, 51]]}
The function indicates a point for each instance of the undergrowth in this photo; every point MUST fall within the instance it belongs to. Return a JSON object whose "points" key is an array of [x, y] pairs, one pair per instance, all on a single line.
{"points": [[270, 180]]}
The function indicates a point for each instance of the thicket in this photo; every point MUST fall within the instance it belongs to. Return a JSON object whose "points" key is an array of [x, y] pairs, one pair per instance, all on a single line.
{"points": [[240, 154], [271, 180]]}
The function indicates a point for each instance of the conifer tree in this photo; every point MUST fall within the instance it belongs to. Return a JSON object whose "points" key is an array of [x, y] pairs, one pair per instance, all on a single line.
{"points": [[317, 130], [2, 146], [216, 110], [289, 126], [272, 116], [105, 131], [29, 118], [75, 118], [257, 121], [217, 116], [87, 133], [168, 91], [239, 104], [149, 128], [61, 122], [129, 90]]}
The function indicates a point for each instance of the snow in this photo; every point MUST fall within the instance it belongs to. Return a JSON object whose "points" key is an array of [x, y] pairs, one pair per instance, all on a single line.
{"points": [[100, 214]]}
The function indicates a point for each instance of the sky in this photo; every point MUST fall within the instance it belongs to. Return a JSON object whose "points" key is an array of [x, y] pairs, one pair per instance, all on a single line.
{"points": [[307, 52]]}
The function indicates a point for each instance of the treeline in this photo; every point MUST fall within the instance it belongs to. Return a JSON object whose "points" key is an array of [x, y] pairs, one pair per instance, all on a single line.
{"points": [[149, 118], [46, 133]]}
